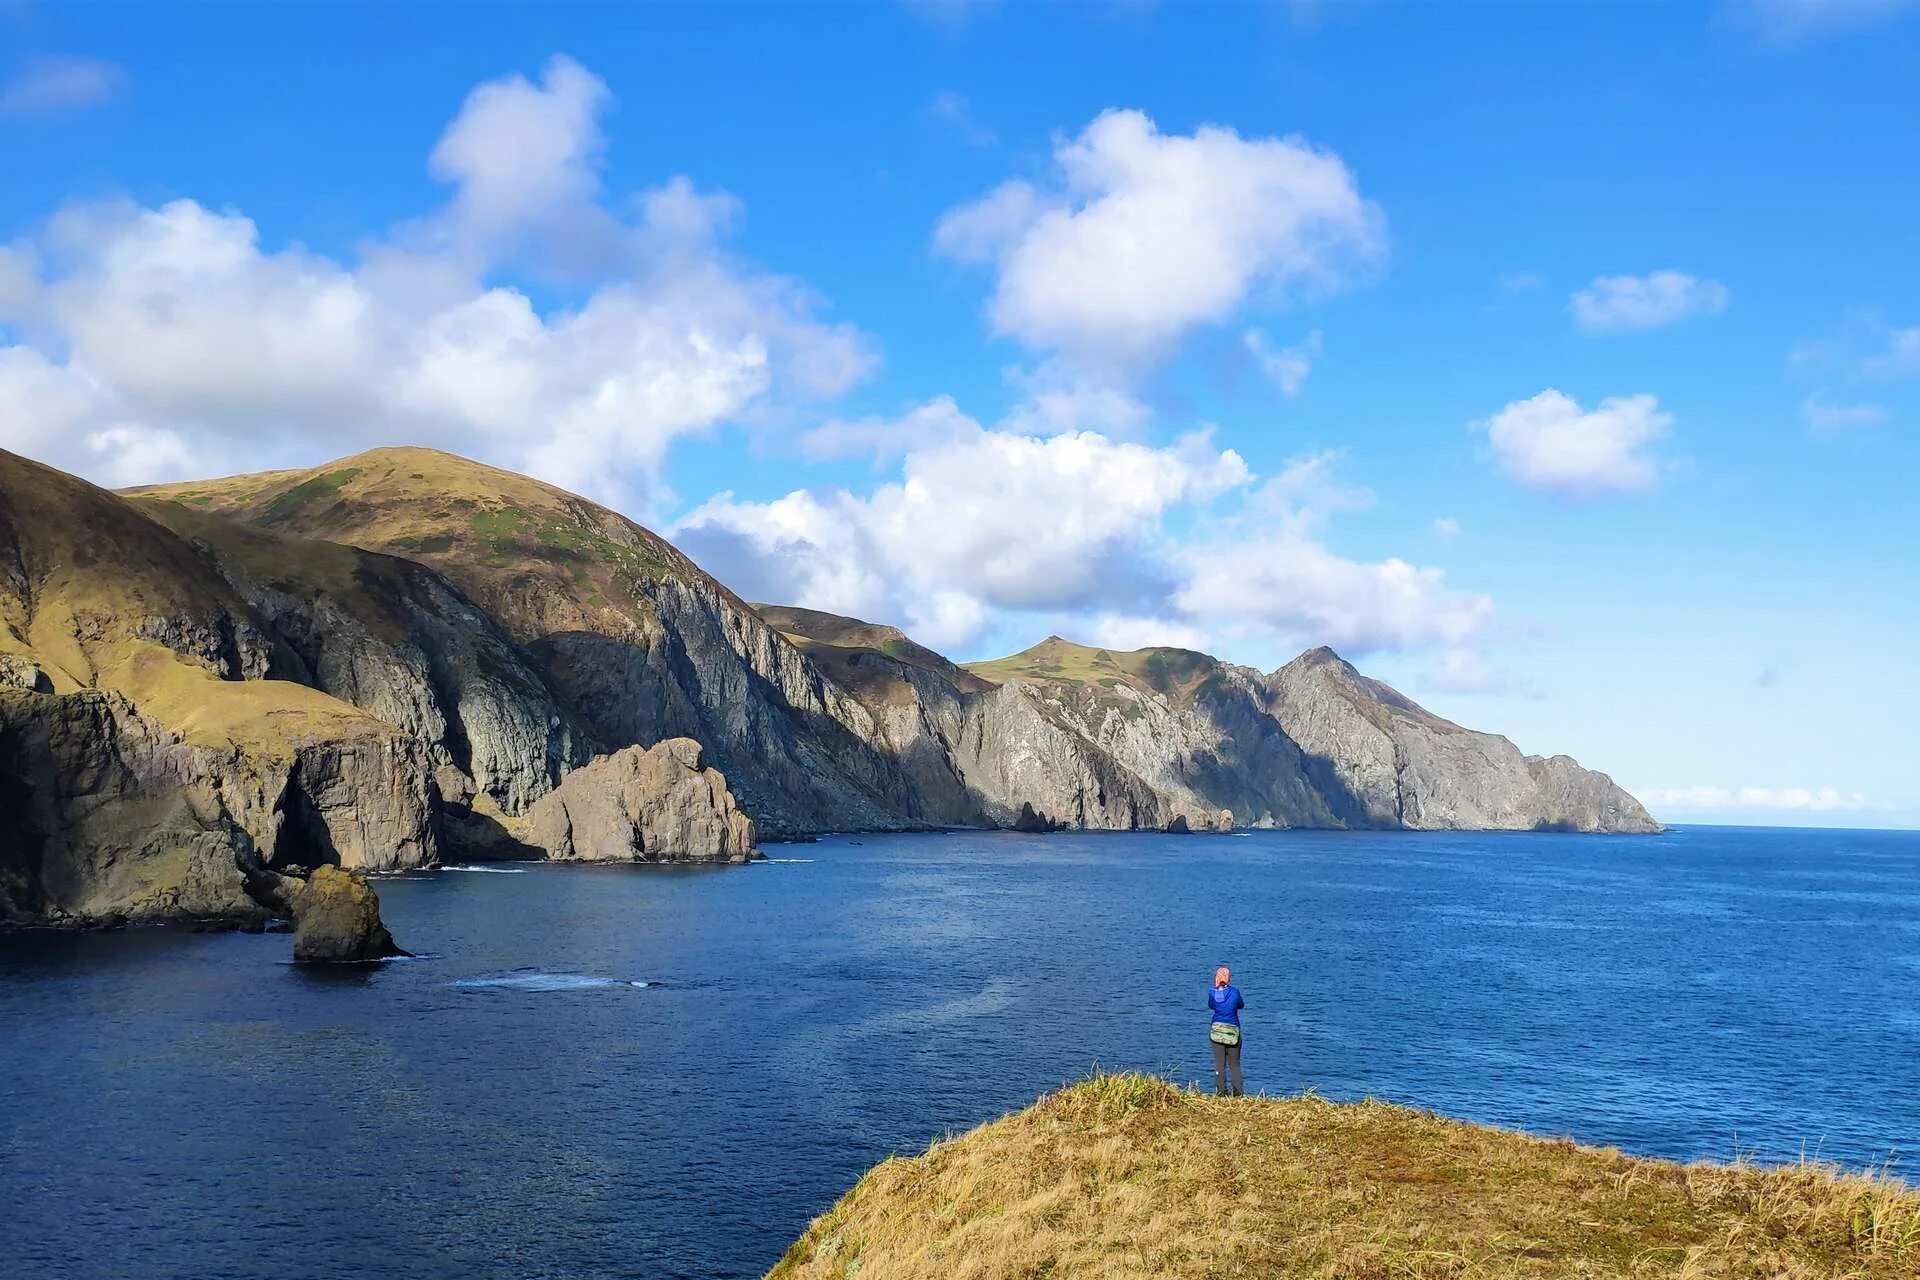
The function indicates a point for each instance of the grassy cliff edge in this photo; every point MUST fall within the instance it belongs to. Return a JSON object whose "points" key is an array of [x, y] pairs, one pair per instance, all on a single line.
{"points": [[1129, 1176]]}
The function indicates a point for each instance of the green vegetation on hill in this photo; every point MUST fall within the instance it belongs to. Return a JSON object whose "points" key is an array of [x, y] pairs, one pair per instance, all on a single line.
{"points": [[1179, 674], [847, 648], [1128, 1176], [539, 557]]}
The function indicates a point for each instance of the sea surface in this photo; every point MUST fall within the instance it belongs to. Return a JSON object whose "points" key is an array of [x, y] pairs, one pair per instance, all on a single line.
{"points": [[625, 1071]]}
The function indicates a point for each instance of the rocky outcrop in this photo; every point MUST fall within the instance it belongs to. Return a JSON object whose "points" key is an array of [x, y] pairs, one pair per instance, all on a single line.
{"points": [[110, 817], [336, 918], [1391, 763], [643, 804]]}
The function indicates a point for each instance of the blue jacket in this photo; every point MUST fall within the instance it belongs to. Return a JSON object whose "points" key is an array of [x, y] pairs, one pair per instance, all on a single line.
{"points": [[1226, 1004]]}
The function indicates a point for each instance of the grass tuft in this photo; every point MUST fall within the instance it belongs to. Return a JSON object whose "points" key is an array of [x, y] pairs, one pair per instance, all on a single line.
{"points": [[1126, 1176]]}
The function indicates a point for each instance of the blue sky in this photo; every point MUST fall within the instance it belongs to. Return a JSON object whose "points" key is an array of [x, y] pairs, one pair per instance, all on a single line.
{"points": [[1560, 365]]}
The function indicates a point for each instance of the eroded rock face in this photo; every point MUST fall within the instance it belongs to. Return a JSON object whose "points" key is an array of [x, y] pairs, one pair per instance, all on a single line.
{"points": [[110, 817], [643, 804], [1392, 763], [20, 672], [336, 918]]}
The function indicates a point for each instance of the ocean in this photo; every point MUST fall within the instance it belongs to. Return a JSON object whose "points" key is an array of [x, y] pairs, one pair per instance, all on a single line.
{"points": [[650, 1072]]}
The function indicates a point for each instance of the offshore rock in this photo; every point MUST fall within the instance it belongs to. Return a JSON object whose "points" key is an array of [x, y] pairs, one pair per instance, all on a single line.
{"points": [[336, 920], [643, 804]]}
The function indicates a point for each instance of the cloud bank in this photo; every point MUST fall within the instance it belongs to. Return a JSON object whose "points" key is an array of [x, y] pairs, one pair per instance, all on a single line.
{"points": [[163, 342]]}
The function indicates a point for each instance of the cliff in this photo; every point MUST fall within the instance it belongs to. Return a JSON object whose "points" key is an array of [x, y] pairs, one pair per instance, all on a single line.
{"points": [[1127, 1176], [193, 710]]}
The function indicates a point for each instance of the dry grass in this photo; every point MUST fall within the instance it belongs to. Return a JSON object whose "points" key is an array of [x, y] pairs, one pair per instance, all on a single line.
{"points": [[1127, 1176], [539, 558]]}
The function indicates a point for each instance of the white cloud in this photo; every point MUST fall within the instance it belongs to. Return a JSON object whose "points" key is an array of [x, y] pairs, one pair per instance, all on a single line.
{"points": [[1287, 367], [157, 342], [1446, 526], [1142, 235], [1465, 669], [1803, 799], [1005, 520], [1615, 303], [49, 84], [1548, 442], [1115, 541], [1826, 417]]}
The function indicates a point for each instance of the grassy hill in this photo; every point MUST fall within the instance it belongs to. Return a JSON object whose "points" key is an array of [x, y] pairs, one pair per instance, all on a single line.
{"points": [[864, 657], [541, 559], [1127, 1176], [1176, 673]]}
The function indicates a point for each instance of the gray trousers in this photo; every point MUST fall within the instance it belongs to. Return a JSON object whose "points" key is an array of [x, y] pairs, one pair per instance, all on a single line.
{"points": [[1226, 1069]]}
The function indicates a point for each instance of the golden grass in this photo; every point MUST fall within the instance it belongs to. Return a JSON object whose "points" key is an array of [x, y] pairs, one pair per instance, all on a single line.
{"points": [[268, 719], [541, 559], [1128, 1176]]}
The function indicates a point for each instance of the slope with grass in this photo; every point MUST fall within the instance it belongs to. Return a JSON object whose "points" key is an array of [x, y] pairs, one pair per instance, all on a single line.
{"points": [[1127, 1176], [154, 767], [639, 643]]}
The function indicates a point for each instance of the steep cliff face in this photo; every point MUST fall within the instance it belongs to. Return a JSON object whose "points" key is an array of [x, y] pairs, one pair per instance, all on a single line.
{"points": [[639, 644], [1193, 728], [643, 804], [1400, 765], [108, 815], [397, 640], [164, 770]]}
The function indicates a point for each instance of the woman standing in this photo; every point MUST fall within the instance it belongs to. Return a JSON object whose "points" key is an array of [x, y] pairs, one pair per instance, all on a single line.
{"points": [[1225, 1004]]}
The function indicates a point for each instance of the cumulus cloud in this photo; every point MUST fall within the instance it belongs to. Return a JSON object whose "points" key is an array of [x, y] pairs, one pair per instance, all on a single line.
{"points": [[158, 342], [1548, 442], [1826, 417], [1120, 539], [51, 84], [1138, 236], [1286, 367], [1616, 303], [1802, 799]]}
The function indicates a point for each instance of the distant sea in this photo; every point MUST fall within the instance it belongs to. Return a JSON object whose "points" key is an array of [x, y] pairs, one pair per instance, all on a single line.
{"points": [[644, 1072]]}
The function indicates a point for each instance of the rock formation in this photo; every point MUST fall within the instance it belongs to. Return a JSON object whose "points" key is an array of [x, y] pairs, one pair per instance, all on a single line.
{"points": [[337, 920], [359, 665], [1399, 765], [643, 804]]}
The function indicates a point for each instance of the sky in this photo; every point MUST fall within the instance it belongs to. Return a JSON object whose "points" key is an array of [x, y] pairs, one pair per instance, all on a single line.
{"points": [[1558, 364]]}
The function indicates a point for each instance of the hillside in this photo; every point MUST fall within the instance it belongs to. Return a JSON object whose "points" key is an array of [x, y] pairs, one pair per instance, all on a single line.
{"points": [[1127, 1176], [824, 722], [192, 708], [638, 643], [1312, 744]]}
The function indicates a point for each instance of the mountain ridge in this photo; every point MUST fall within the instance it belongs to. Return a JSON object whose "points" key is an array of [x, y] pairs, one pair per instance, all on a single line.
{"points": [[400, 653]]}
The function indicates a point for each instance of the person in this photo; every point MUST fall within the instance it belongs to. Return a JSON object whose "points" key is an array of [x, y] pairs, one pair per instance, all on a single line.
{"points": [[1225, 1004]]}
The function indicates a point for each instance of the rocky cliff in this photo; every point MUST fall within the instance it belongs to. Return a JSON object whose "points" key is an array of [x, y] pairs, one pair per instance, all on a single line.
{"points": [[637, 642], [211, 684], [1399, 765]]}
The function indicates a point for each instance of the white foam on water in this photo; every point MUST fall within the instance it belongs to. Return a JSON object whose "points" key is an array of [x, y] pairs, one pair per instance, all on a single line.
{"points": [[492, 871], [541, 980], [788, 861]]}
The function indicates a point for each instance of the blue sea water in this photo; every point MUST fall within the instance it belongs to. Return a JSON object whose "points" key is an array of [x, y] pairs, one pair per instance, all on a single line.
{"points": [[621, 1071]]}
